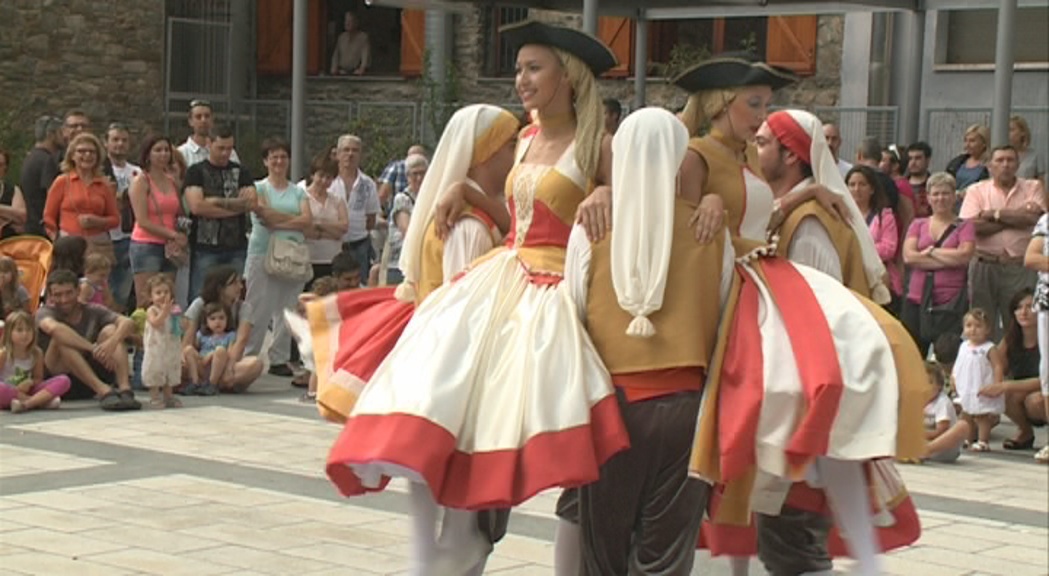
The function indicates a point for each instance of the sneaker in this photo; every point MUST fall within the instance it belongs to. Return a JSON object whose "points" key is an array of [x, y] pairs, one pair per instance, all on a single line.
{"points": [[128, 402], [1042, 456], [54, 403], [281, 370], [188, 390], [308, 398], [207, 389], [17, 407]]}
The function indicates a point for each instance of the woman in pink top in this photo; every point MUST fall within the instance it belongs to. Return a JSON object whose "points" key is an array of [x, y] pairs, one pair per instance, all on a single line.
{"points": [[946, 265], [157, 206], [874, 205]]}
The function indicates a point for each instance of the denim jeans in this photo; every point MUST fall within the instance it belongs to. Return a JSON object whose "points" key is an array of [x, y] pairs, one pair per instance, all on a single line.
{"points": [[120, 278], [203, 261]]}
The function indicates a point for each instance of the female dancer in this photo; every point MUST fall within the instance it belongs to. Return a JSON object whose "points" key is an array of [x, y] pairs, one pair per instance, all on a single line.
{"points": [[354, 331], [836, 377], [511, 398]]}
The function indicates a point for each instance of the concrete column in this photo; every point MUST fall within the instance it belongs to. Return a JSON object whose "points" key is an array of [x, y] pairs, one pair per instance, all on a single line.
{"points": [[437, 43], [239, 58], [590, 17], [300, 17], [1004, 57], [912, 42], [640, 59]]}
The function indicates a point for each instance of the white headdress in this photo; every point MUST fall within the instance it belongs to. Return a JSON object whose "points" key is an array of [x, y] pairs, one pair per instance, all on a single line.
{"points": [[473, 134], [647, 152], [802, 133]]}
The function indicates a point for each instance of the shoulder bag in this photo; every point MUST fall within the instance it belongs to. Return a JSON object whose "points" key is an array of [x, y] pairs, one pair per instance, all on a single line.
{"points": [[940, 319], [288, 259]]}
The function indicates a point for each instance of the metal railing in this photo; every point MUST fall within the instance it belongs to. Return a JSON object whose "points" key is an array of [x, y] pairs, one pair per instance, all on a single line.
{"points": [[945, 129], [856, 124]]}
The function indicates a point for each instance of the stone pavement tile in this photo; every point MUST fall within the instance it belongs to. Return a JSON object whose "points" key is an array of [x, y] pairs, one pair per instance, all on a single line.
{"points": [[328, 512], [40, 563], [1035, 556], [356, 536], [159, 563], [57, 520], [7, 549], [353, 560], [260, 561], [896, 565], [946, 540], [117, 493], [59, 500], [16, 461], [272, 539], [170, 541], [527, 549], [9, 525], [969, 562], [401, 526], [160, 519], [60, 543], [1015, 535]]}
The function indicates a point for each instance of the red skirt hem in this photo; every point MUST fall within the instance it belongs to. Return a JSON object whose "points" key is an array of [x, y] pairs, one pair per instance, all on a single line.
{"points": [[479, 480]]}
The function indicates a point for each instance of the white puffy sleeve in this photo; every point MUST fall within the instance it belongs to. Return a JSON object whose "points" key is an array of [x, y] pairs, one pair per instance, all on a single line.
{"points": [[577, 269], [812, 246], [468, 241]]}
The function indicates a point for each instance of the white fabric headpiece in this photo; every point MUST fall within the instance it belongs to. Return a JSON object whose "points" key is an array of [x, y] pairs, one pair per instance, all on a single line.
{"points": [[825, 171], [647, 152], [471, 136]]}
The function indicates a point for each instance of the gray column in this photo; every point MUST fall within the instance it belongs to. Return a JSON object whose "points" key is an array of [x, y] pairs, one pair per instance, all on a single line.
{"points": [[640, 59], [590, 17], [299, 20], [912, 43], [1004, 57], [437, 43]]}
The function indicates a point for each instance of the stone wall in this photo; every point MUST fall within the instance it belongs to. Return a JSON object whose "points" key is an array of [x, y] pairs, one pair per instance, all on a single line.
{"points": [[396, 110], [102, 56]]}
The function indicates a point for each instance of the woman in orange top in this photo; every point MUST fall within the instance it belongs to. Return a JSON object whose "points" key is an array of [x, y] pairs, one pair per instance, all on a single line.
{"points": [[81, 201]]}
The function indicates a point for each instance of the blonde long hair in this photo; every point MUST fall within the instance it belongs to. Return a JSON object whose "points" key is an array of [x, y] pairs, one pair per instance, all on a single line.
{"points": [[704, 106], [586, 101], [69, 165]]}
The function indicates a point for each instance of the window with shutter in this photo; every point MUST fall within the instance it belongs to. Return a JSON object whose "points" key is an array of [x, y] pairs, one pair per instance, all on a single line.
{"points": [[413, 41], [791, 43], [618, 34], [273, 37]]}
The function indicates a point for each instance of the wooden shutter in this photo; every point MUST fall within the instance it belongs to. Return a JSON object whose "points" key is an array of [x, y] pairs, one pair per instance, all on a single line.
{"points": [[791, 43], [618, 34], [413, 41], [273, 38]]}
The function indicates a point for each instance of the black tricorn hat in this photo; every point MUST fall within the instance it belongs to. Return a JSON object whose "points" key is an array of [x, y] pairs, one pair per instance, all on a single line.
{"points": [[732, 70], [590, 50]]}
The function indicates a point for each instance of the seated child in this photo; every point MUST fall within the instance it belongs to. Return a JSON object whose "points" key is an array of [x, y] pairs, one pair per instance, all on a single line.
{"points": [[13, 296], [94, 286], [944, 433], [213, 341], [22, 384]]}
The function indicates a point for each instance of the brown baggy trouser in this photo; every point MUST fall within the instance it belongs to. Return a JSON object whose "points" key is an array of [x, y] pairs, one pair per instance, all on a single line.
{"points": [[794, 542], [643, 514]]}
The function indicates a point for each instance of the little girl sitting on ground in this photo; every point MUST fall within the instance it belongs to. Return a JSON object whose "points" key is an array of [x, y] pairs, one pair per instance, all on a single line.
{"points": [[94, 286], [213, 342], [944, 433], [22, 384]]}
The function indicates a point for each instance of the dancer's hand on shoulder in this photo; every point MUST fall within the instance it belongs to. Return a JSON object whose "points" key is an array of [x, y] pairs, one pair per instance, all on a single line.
{"points": [[832, 203], [708, 218], [595, 213], [446, 212]]}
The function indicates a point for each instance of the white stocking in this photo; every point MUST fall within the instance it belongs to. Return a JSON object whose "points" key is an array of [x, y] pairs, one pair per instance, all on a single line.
{"points": [[568, 560], [740, 565], [461, 548], [846, 488], [424, 528]]}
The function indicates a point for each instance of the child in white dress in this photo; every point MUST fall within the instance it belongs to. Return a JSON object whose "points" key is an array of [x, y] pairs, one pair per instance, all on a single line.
{"points": [[973, 371], [162, 364], [944, 433]]}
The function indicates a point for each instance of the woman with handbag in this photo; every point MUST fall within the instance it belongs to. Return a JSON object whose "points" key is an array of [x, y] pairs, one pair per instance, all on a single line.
{"points": [[278, 261], [158, 242], [81, 201], [937, 251]]}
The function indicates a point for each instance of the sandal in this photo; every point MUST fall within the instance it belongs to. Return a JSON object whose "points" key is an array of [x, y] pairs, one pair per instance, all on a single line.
{"points": [[301, 380], [1042, 456], [308, 398], [980, 446], [1013, 444], [156, 403], [172, 402]]}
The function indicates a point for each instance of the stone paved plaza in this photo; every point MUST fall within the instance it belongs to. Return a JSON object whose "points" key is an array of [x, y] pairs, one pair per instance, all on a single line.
{"points": [[233, 485]]}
